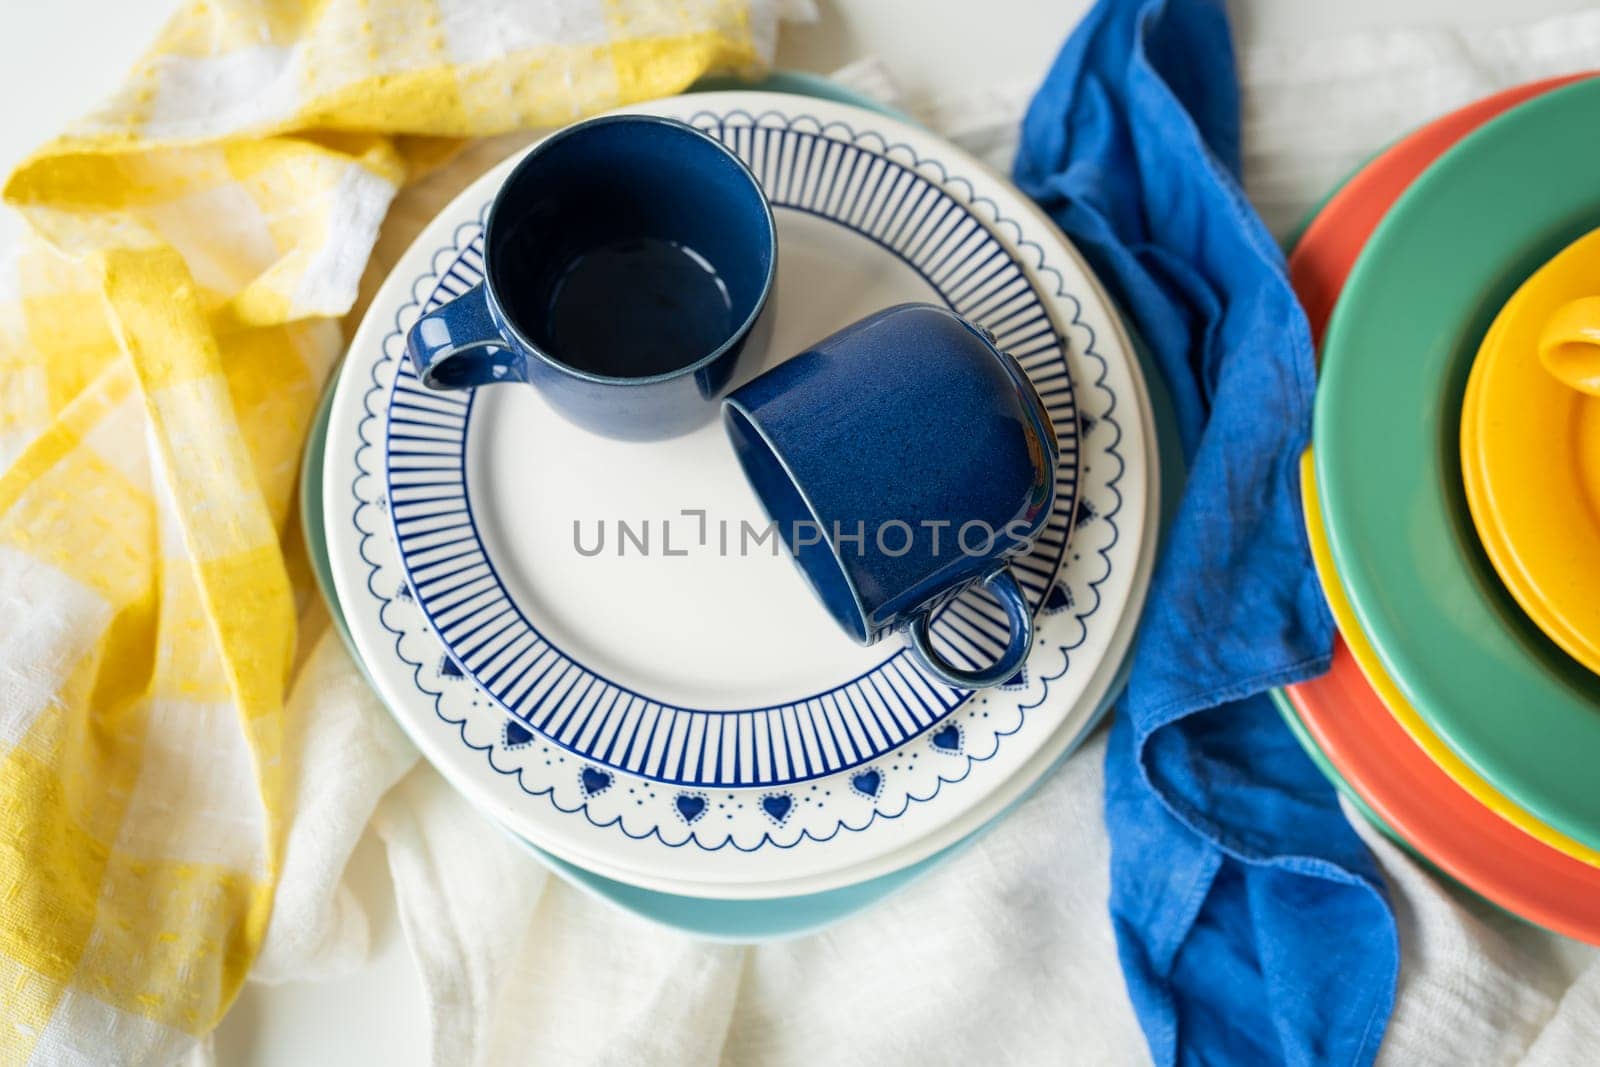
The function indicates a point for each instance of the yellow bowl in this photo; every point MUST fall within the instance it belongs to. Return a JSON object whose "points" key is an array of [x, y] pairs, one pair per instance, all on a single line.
{"points": [[1530, 450]]}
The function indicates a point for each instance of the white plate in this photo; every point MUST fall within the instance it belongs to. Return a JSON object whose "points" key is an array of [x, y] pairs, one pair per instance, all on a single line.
{"points": [[742, 746]]}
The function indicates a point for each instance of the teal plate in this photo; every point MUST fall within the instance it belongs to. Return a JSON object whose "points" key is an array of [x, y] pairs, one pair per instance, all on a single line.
{"points": [[1396, 358], [733, 920]]}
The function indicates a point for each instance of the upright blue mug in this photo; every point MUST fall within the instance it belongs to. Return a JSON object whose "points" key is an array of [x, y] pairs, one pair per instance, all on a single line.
{"points": [[904, 460], [627, 263]]}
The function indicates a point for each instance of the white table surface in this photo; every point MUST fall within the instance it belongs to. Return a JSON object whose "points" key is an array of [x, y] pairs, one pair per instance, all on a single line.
{"points": [[60, 56]]}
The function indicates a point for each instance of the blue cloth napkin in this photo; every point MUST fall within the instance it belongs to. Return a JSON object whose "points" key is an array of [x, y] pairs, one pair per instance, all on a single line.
{"points": [[1251, 921]]}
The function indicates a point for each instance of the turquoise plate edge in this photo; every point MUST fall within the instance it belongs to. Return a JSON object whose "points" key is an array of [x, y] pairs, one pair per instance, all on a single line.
{"points": [[742, 921]]}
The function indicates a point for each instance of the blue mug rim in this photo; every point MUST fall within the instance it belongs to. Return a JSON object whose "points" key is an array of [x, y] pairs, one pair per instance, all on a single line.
{"points": [[863, 633], [504, 321]]}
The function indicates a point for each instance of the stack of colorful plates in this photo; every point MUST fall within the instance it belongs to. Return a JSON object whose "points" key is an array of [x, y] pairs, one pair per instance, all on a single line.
{"points": [[688, 735], [1453, 497]]}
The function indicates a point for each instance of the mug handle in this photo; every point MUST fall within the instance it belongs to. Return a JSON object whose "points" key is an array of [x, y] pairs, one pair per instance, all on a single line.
{"points": [[458, 345], [1569, 347], [1003, 584]]}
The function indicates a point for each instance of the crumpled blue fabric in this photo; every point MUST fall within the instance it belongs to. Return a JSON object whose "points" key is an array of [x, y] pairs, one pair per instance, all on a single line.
{"points": [[1251, 921]]}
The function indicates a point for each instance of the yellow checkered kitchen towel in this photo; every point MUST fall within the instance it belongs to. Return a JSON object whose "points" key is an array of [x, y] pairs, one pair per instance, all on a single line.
{"points": [[167, 321]]}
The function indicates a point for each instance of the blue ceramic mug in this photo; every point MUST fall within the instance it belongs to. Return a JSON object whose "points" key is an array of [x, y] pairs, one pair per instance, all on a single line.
{"points": [[903, 460], [627, 263]]}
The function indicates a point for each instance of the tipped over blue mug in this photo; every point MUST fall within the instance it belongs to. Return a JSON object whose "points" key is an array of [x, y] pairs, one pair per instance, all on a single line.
{"points": [[904, 460], [627, 264]]}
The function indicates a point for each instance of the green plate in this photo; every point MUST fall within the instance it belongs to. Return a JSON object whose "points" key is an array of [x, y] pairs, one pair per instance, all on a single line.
{"points": [[1395, 364]]}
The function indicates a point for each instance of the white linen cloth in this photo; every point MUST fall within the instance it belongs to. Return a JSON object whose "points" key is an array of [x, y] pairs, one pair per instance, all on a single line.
{"points": [[1004, 953]]}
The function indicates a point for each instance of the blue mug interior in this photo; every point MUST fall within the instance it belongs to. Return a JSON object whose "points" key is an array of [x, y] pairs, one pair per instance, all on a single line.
{"points": [[796, 520], [630, 247]]}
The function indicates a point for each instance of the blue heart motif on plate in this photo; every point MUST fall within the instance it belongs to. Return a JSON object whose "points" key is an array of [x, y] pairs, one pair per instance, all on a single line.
{"points": [[1016, 681], [777, 806], [690, 805], [867, 783], [516, 735], [594, 781], [1058, 599], [947, 739]]}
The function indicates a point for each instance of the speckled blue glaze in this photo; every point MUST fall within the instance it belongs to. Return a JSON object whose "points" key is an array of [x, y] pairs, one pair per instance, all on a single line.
{"points": [[909, 418], [598, 185]]}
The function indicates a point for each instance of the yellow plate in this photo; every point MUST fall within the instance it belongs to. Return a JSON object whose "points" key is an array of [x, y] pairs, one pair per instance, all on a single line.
{"points": [[1530, 460], [1366, 658]]}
